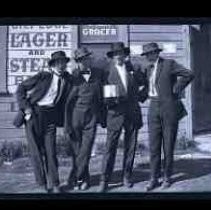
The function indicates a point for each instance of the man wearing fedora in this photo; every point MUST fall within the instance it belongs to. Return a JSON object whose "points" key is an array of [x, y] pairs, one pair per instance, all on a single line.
{"points": [[166, 79], [84, 111], [123, 112], [41, 101]]}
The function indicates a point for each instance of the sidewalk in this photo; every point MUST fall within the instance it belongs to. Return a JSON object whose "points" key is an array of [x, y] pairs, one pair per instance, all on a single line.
{"points": [[192, 172]]}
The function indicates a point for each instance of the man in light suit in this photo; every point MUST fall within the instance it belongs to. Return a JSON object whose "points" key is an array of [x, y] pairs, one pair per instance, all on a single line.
{"points": [[123, 112], [164, 88], [42, 111]]}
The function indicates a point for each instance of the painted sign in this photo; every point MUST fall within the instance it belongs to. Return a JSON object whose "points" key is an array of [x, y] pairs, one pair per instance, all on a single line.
{"points": [[30, 47], [98, 33]]}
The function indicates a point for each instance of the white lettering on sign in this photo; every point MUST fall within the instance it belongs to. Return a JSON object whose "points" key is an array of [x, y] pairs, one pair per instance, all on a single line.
{"points": [[99, 32], [30, 47]]}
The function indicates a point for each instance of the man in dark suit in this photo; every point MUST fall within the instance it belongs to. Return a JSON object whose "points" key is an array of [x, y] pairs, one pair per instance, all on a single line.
{"points": [[41, 101], [123, 112], [165, 110], [84, 107]]}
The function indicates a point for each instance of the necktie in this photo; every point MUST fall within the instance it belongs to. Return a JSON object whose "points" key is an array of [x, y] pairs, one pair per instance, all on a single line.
{"points": [[59, 90]]}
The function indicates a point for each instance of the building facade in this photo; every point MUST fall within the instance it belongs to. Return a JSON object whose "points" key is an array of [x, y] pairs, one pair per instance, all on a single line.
{"points": [[25, 50]]}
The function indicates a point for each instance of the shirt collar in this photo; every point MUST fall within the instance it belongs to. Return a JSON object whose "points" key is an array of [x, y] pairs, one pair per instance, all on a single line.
{"points": [[119, 67], [56, 74], [156, 62]]}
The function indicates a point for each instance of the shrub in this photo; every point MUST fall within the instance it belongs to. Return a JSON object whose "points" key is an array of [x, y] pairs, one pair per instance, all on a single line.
{"points": [[12, 150]]}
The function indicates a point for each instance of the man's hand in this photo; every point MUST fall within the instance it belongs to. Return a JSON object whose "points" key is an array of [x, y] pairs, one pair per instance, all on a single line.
{"points": [[28, 114]]}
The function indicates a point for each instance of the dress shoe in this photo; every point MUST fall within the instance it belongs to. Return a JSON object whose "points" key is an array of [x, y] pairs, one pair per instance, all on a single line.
{"points": [[84, 186], [127, 183], [42, 188], [78, 185], [66, 186], [166, 184], [152, 185], [103, 186], [55, 189]]}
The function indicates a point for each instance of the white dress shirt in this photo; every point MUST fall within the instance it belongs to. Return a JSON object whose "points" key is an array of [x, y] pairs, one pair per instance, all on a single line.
{"points": [[87, 76], [123, 74], [48, 99], [152, 86]]}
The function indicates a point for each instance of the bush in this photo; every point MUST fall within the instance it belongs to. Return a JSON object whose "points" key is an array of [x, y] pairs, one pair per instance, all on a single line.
{"points": [[184, 143], [12, 150]]}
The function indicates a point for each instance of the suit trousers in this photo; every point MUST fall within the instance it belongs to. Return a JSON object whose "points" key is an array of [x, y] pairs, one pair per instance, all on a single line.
{"points": [[41, 136], [81, 143], [162, 133], [115, 124]]}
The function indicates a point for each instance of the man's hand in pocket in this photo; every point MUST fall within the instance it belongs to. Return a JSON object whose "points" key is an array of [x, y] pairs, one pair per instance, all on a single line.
{"points": [[28, 114]]}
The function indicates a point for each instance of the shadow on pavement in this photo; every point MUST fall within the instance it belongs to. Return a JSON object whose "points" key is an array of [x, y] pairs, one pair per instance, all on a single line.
{"points": [[191, 168], [184, 169], [139, 175]]}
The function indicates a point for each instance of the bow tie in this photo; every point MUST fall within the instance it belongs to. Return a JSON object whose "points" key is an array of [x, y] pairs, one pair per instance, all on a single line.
{"points": [[85, 72]]}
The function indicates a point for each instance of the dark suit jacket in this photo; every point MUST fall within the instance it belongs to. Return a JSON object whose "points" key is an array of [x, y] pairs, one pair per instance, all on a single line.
{"points": [[170, 87], [39, 85], [94, 94], [135, 79]]}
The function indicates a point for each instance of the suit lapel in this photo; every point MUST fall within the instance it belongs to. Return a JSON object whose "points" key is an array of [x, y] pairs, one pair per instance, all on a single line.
{"points": [[116, 78]]}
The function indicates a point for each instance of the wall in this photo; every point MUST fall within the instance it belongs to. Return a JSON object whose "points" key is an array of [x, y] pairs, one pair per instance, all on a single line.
{"points": [[3, 55]]}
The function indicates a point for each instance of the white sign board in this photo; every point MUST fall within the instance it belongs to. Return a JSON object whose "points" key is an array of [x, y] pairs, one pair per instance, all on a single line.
{"points": [[30, 47], [169, 48]]}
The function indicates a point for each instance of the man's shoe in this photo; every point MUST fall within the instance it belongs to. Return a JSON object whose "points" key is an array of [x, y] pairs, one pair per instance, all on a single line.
{"points": [[42, 188], [127, 183], [55, 189], [152, 185], [84, 186], [103, 186], [166, 184], [66, 186]]}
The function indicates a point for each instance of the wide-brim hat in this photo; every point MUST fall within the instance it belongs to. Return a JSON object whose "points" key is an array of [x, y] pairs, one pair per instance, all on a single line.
{"points": [[59, 55], [80, 53], [150, 47], [117, 48]]}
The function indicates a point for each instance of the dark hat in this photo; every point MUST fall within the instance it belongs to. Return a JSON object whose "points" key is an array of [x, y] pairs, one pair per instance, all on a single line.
{"points": [[81, 52], [118, 47], [150, 47], [59, 55]]}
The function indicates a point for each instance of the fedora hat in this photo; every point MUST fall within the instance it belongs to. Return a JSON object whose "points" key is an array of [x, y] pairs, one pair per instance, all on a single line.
{"points": [[118, 47], [150, 47], [81, 53], [59, 55]]}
